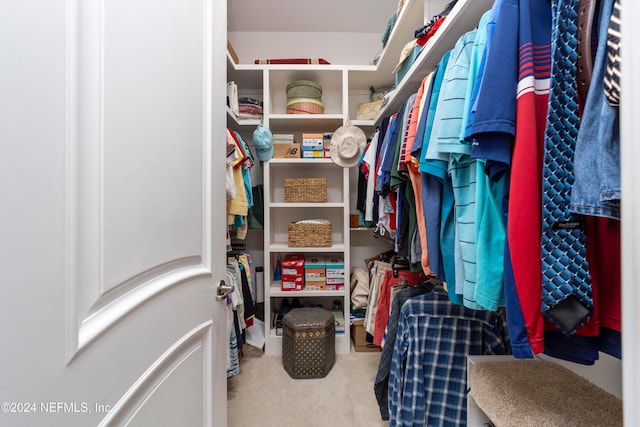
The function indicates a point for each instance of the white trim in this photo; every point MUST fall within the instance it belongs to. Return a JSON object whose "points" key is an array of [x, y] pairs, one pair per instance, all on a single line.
{"points": [[630, 213], [199, 338], [104, 318]]}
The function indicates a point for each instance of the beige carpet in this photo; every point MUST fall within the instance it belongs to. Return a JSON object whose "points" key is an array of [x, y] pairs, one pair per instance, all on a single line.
{"points": [[263, 394], [529, 393]]}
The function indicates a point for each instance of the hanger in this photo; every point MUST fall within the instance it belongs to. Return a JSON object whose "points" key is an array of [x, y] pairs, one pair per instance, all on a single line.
{"points": [[379, 233], [238, 247], [399, 264]]}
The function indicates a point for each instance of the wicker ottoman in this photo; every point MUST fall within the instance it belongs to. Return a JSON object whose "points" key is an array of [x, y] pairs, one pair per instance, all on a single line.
{"points": [[308, 343]]}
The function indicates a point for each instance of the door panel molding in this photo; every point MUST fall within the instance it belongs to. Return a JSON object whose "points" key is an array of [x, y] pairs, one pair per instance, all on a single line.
{"points": [[184, 268], [198, 339], [102, 319], [98, 224]]}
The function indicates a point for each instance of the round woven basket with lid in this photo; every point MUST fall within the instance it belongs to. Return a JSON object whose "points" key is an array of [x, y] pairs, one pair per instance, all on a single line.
{"points": [[304, 89], [305, 106]]}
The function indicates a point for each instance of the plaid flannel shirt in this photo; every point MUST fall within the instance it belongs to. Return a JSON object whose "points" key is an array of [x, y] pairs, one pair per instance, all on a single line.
{"points": [[428, 377]]}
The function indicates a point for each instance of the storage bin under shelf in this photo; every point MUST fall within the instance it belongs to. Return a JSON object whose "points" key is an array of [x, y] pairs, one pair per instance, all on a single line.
{"points": [[305, 190], [280, 218], [306, 168], [309, 235]]}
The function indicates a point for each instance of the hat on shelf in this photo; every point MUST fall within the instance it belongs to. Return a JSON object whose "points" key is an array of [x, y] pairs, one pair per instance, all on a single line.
{"points": [[347, 144], [304, 89], [263, 141], [406, 52]]}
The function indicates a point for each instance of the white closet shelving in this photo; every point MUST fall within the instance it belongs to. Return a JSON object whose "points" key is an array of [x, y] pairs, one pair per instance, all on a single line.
{"points": [[279, 214], [268, 83]]}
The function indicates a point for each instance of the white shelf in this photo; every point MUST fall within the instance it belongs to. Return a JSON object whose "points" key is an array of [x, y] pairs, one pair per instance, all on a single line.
{"points": [[464, 17], [301, 161], [411, 18], [283, 247], [276, 291], [307, 205], [236, 122], [300, 117], [363, 123]]}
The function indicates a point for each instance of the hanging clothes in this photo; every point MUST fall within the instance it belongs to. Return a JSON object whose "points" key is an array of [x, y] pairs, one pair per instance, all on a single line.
{"points": [[475, 134], [392, 278], [377, 278], [523, 27], [381, 384]]}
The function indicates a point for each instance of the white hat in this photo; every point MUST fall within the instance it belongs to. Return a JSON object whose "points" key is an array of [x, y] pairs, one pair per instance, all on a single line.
{"points": [[347, 144]]}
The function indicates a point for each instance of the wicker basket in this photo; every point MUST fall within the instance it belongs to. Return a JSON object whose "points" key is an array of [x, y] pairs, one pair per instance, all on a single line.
{"points": [[304, 89], [305, 106], [369, 110], [302, 190], [309, 235]]}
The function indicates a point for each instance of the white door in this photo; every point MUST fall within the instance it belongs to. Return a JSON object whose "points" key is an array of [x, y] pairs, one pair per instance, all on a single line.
{"points": [[112, 235]]}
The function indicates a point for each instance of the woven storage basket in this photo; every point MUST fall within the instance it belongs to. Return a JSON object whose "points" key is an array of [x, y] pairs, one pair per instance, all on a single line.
{"points": [[309, 235], [369, 110], [304, 89], [303, 190], [305, 106]]}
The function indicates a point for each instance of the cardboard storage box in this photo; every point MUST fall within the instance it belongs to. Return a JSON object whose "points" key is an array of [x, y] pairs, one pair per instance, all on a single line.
{"points": [[293, 265], [335, 281], [314, 273], [359, 337], [335, 268], [327, 144], [293, 261], [312, 154], [334, 284], [286, 151], [292, 283], [312, 142], [313, 263], [315, 284]]}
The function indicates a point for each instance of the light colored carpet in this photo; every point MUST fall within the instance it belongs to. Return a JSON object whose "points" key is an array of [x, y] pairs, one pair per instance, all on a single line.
{"points": [[264, 395], [529, 393]]}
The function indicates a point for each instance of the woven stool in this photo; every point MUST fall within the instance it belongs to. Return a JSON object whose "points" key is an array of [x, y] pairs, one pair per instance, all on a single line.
{"points": [[308, 342]]}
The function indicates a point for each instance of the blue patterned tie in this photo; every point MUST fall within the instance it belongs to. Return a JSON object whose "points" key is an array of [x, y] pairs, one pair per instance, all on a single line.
{"points": [[566, 283]]}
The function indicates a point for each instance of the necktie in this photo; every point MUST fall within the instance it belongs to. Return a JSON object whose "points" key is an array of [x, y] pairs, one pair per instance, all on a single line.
{"points": [[566, 283]]}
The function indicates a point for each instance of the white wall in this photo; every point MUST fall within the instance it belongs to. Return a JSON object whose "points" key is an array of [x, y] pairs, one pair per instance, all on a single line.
{"points": [[337, 48]]}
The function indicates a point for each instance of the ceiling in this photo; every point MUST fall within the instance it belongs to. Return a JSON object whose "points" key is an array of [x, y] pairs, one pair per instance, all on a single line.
{"points": [[357, 16]]}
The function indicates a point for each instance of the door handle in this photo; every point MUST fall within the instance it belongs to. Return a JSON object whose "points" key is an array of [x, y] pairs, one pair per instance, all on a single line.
{"points": [[222, 290]]}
